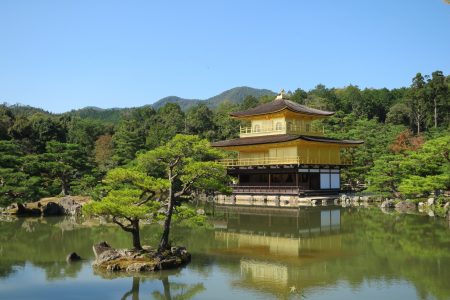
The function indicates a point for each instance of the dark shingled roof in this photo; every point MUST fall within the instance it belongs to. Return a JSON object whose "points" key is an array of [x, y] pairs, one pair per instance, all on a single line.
{"points": [[280, 138], [278, 105]]}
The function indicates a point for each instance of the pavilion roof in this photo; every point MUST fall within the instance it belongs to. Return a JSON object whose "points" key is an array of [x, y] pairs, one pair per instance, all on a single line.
{"points": [[280, 104], [280, 138]]}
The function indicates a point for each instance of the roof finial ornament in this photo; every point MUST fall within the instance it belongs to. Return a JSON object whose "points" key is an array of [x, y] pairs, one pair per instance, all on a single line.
{"points": [[281, 95]]}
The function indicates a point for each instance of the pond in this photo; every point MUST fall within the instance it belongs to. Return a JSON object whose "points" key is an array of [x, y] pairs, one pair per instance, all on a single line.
{"points": [[311, 253]]}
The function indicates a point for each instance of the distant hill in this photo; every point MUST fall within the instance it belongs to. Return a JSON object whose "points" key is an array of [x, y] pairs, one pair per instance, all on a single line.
{"points": [[183, 103], [113, 115], [235, 95]]}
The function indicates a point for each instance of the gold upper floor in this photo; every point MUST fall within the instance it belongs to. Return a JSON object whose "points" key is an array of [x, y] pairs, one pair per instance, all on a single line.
{"points": [[282, 123], [262, 128]]}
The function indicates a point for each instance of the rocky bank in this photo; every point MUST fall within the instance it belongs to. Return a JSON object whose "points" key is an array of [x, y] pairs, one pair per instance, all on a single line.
{"points": [[54, 206]]}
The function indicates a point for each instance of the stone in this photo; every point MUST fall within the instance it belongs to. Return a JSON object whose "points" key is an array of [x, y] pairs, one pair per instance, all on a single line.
{"points": [[447, 207], [421, 204], [70, 206], [22, 210], [430, 201], [178, 250], [405, 206], [355, 198], [100, 248], [200, 211], [431, 213], [108, 255], [52, 209], [73, 257], [388, 204], [365, 198]]}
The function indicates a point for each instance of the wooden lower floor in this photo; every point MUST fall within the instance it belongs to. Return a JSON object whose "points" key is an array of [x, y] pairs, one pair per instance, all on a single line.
{"points": [[286, 180], [275, 201]]}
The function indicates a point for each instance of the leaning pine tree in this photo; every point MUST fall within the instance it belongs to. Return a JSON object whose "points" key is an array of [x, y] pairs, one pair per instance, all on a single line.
{"points": [[159, 181], [131, 196], [187, 163]]}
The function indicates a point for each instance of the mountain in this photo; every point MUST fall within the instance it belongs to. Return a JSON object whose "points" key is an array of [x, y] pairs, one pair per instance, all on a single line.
{"points": [[184, 104], [235, 95], [113, 115]]}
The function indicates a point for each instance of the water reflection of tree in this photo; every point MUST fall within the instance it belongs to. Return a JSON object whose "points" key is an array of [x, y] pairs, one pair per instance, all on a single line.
{"points": [[178, 291], [171, 291]]}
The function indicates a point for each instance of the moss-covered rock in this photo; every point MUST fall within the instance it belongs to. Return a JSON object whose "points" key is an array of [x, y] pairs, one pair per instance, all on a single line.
{"points": [[132, 261]]}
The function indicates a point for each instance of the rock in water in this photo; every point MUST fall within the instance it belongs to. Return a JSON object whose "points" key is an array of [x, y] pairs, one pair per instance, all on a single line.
{"points": [[22, 210], [447, 207], [405, 206], [52, 209], [128, 260], [388, 204], [100, 248], [73, 257], [70, 206]]}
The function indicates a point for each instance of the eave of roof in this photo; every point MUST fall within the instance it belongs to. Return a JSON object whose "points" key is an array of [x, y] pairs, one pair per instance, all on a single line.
{"points": [[281, 138], [279, 105]]}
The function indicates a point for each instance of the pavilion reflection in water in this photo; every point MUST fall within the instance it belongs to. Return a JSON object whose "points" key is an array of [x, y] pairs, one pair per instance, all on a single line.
{"points": [[280, 248]]}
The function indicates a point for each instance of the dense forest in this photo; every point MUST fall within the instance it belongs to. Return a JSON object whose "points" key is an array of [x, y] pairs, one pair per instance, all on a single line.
{"points": [[406, 133]]}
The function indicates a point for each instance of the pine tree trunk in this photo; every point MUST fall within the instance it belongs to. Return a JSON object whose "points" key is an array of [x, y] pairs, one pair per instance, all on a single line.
{"points": [[166, 285], [435, 113], [164, 243], [136, 235], [64, 186]]}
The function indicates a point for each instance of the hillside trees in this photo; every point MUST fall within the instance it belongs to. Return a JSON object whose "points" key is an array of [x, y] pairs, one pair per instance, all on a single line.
{"points": [[64, 162], [16, 185], [200, 121], [413, 170], [103, 152], [438, 93], [170, 120]]}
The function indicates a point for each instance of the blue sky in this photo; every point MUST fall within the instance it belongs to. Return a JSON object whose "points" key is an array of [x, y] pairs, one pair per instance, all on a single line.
{"points": [[62, 55]]}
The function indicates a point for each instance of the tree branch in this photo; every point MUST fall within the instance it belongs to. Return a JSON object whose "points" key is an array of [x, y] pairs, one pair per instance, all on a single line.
{"points": [[146, 198], [187, 186], [124, 227]]}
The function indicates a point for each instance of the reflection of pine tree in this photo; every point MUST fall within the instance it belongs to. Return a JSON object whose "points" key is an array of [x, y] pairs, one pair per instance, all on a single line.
{"points": [[134, 292], [180, 291]]}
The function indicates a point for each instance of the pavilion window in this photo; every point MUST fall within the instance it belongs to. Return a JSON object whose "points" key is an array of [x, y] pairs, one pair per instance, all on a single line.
{"points": [[257, 128], [278, 126]]}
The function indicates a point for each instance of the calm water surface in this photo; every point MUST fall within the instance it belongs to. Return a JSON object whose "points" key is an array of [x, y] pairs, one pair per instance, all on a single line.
{"points": [[313, 253]]}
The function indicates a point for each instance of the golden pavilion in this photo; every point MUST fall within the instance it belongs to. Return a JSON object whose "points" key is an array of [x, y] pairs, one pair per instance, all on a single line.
{"points": [[282, 152]]}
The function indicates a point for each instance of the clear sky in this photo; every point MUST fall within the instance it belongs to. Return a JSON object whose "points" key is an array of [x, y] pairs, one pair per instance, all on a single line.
{"points": [[61, 55]]}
